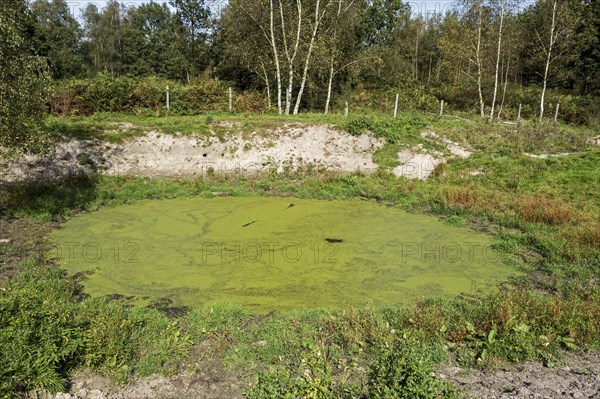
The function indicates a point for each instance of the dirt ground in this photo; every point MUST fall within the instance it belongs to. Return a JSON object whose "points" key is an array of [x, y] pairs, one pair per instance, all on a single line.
{"points": [[578, 376], [295, 147]]}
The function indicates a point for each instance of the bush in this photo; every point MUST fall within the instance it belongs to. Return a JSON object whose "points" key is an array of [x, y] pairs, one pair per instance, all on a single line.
{"points": [[405, 127], [543, 209], [401, 370], [39, 337], [130, 95], [45, 331]]}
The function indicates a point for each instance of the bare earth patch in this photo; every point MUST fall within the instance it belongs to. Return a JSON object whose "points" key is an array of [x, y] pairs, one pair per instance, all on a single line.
{"points": [[288, 148], [418, 163], [577, 377]]}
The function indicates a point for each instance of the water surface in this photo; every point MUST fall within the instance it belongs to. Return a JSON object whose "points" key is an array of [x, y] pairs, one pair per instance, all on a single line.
{"points": [[274, 253]]}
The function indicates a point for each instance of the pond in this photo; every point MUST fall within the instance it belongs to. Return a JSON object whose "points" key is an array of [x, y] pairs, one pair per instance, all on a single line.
{"points": [[274, 253]]}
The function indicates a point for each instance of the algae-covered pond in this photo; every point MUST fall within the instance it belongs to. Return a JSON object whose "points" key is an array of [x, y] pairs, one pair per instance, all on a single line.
{"points": [[274, 253]]}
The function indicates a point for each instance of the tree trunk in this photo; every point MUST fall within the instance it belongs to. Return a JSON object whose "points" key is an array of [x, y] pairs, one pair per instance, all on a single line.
{"points": [[307, 61], [498, 53], [416, 67], [329, 84], [429, 74], [332, 60], [478, 56], [548, 58], [292, 57], [267, 83], [505, 85], [276, 59]]}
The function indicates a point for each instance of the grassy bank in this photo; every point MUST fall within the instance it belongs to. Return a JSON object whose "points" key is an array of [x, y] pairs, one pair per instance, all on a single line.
{"points": [[544, 211]]}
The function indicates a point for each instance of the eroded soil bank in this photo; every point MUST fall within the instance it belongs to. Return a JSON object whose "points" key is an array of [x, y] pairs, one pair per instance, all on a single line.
{"points": [[297, 147]]}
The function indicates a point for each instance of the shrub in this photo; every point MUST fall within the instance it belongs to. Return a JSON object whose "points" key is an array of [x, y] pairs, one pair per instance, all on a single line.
{"points": [[39, 338], [543, 209], [403, 371], [406, 127], [45, 332]]}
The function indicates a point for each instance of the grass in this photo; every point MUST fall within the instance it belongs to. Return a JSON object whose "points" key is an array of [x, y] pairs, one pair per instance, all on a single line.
{"points": [[545, 211]]}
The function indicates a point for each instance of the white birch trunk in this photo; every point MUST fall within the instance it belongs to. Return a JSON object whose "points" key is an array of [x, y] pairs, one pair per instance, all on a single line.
{"points": [[332, 60], [498, 53], [329, 84], [505, 85], [292, 57], [307, 60], [478, 56], [548, 58], [276, 59]]}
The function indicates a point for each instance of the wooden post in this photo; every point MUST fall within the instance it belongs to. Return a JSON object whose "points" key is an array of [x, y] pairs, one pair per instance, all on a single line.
{"points": [[556, 112], [519, 115], [396, 106], [441, 107], [230, 101], [346, 109], [168, 99]]}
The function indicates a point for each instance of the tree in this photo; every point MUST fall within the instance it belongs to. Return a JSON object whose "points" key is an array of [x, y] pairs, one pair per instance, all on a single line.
{"points": [[154, 42], [553, 37], [548, 27], [104, 33], [24, 81], [463, 43], [58, 37], [502, 9], [384, 36], [588, 60], [281, 32], [342, 29], [194, 16]]}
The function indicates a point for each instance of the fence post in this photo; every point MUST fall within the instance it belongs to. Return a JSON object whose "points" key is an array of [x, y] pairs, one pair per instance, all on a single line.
{"points": [[396, 106], [168, 99], [346, 109], [441, 107], [230, 101], [519, 115], [556, 112]]}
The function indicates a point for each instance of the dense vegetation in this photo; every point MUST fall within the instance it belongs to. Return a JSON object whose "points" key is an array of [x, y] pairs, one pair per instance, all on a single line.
{"points": [[484, 58]]}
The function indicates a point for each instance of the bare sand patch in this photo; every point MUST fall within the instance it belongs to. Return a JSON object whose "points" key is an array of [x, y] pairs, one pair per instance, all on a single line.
{"points": [[419, 163], [317, 148]]}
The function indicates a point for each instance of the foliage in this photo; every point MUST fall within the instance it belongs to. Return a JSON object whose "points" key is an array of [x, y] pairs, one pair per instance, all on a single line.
{"points": [[58, 37], [46, 331], [402, 370], [405, 127], [24, 81], [138, 95]]}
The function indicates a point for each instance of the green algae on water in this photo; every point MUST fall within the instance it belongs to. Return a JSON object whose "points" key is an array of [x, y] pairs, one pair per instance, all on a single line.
{"points": [[274, 253]]}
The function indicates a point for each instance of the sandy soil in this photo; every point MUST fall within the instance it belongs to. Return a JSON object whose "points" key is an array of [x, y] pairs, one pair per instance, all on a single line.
{"points": [[299, 148], [419, 163]]}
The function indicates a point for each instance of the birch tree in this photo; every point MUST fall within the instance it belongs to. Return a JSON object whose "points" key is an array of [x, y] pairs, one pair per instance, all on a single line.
{"points": [[271, 39], [478, 57], [318, 17], [343, 18], [548, 51], [502, 10]]}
